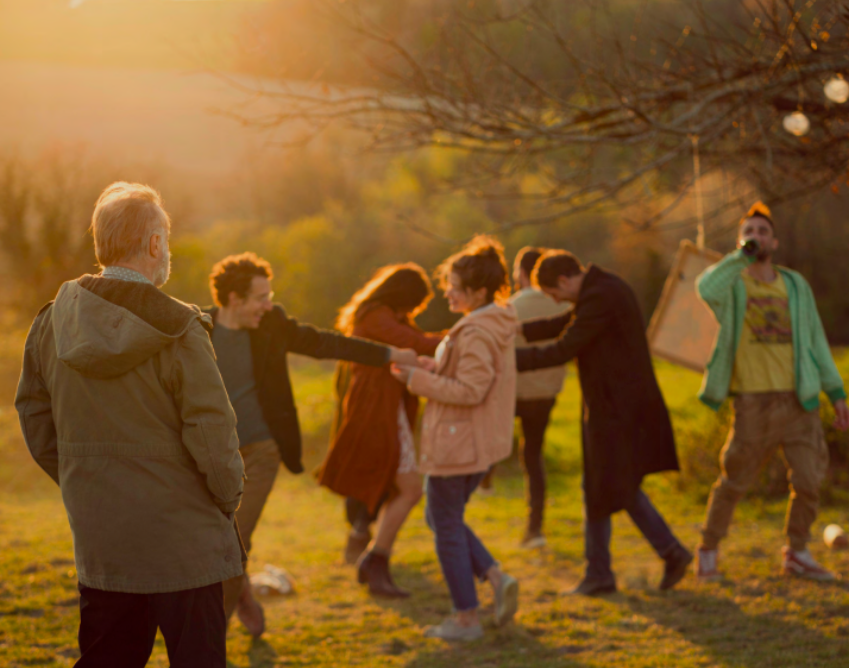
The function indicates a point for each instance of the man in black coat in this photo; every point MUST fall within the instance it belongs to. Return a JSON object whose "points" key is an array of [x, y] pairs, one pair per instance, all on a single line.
{"points": [[626, 429], [252, 337]]}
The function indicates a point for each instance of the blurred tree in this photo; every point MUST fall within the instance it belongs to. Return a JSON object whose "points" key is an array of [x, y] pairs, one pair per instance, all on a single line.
{"points": [[606, 100], [45, 211]]}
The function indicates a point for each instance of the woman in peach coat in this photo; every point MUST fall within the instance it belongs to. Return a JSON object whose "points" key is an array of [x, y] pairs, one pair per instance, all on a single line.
{"points": [[467, 426]]}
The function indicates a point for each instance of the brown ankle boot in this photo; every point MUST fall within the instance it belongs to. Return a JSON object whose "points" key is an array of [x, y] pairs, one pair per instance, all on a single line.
{"points": [[373, 569]]}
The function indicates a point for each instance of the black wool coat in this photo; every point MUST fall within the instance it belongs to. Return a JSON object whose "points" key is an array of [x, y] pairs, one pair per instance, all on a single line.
{"points": [[277, 335], [626, 431]]}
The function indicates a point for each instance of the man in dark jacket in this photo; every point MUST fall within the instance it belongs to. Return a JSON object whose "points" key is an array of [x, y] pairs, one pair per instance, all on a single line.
{"points": [[626, 431], [252, 337]]}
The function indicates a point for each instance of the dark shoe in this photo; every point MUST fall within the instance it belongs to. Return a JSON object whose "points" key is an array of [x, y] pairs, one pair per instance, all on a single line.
{"points": [[676, 567], [590, 587], [357, 544], [373, 570]]}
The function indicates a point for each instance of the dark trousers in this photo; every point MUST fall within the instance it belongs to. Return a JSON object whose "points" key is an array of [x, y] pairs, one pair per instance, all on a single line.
{"points": [[597, 536], [119, 629], [461, 554], [534, 415]]}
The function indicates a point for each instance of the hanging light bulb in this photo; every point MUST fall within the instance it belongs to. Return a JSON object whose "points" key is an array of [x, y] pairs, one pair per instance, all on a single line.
{"points": [[797, 124], [837, 90]]}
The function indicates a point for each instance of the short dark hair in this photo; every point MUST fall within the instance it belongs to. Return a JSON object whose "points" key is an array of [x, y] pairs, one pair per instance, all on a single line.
{"points": [[527, 258], [480, 264], [758, 210], [552, 265], [235, 273]]}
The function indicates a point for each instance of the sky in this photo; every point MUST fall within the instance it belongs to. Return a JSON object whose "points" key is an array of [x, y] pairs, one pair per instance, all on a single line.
{"points": [[124, 78], [165, 34]]}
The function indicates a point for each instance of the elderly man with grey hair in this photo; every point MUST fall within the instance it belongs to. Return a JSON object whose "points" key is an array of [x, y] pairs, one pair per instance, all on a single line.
{"points": [[121, 403]]}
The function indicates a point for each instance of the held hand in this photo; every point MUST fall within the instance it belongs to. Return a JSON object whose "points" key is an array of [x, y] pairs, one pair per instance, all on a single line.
{"points": [[841, 415], [401, 373], [403, 356], [427, 363]]}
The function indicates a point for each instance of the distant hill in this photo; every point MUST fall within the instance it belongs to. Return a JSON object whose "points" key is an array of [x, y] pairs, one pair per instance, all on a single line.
{"points": [[130, 115]]}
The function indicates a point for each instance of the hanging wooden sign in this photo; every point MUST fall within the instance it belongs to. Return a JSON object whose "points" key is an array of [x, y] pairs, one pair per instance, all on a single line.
{"points": [[683, 329]]}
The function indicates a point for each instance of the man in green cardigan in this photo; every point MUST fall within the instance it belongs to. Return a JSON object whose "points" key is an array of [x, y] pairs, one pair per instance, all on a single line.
{"points": [[772, 357]]}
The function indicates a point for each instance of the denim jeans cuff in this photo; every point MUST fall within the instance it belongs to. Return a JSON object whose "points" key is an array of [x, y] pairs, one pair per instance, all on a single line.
{"points": [[482, 577]]}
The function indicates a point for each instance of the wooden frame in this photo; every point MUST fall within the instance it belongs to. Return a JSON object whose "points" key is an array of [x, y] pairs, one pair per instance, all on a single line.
{"points": [[683, 329]]}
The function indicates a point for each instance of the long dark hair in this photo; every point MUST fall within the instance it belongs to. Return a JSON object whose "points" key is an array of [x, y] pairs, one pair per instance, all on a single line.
{"points": [[401, 287]]}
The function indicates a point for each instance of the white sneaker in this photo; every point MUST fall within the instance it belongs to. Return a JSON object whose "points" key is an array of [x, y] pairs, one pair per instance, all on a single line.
{"points": [[451, 630], [706, 565], [802, 564]]}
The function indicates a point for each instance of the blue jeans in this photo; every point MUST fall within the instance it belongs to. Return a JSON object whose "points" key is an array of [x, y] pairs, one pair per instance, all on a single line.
{"points": [[597, 536], [461, 554]]}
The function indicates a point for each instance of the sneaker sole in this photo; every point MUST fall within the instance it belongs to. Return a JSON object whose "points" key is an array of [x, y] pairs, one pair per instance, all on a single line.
{"points": [[509, 603]]}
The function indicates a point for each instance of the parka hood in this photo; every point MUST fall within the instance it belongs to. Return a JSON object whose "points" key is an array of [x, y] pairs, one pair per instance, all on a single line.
{"points": [[497, 321], [105, 327]]}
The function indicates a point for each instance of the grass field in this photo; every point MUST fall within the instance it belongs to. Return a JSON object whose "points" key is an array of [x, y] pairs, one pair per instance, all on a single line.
{"points": [[753, 618]]}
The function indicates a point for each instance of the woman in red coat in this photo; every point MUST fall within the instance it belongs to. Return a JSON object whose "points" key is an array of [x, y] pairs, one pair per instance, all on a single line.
{"points": [[372, 456]]}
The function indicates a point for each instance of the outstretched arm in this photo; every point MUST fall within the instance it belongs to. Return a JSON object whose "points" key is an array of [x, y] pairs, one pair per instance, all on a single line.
{"points": [[588, 321], [546, 328], [382, 326], [327, 344]]}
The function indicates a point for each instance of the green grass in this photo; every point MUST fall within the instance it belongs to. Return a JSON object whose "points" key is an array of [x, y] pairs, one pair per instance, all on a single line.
{"points": [[754, 618]]}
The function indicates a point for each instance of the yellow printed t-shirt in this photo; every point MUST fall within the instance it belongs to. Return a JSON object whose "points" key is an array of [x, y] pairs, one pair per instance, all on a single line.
{"points": [[764, 361]]}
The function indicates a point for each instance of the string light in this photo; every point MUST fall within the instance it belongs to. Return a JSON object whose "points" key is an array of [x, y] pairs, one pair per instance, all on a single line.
{"points": [[837, 90], [797, 124]]}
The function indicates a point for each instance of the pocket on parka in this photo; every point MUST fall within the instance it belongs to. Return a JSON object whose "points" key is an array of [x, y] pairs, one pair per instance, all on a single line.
{"points": [[454, 444]]}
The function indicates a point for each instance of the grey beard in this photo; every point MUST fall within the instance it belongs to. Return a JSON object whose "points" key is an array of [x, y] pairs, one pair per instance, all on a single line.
{"points": [[163, 271]]}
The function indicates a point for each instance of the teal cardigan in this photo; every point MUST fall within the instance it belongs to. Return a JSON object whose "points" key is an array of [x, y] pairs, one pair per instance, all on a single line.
{"points": [[722, 289]]}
